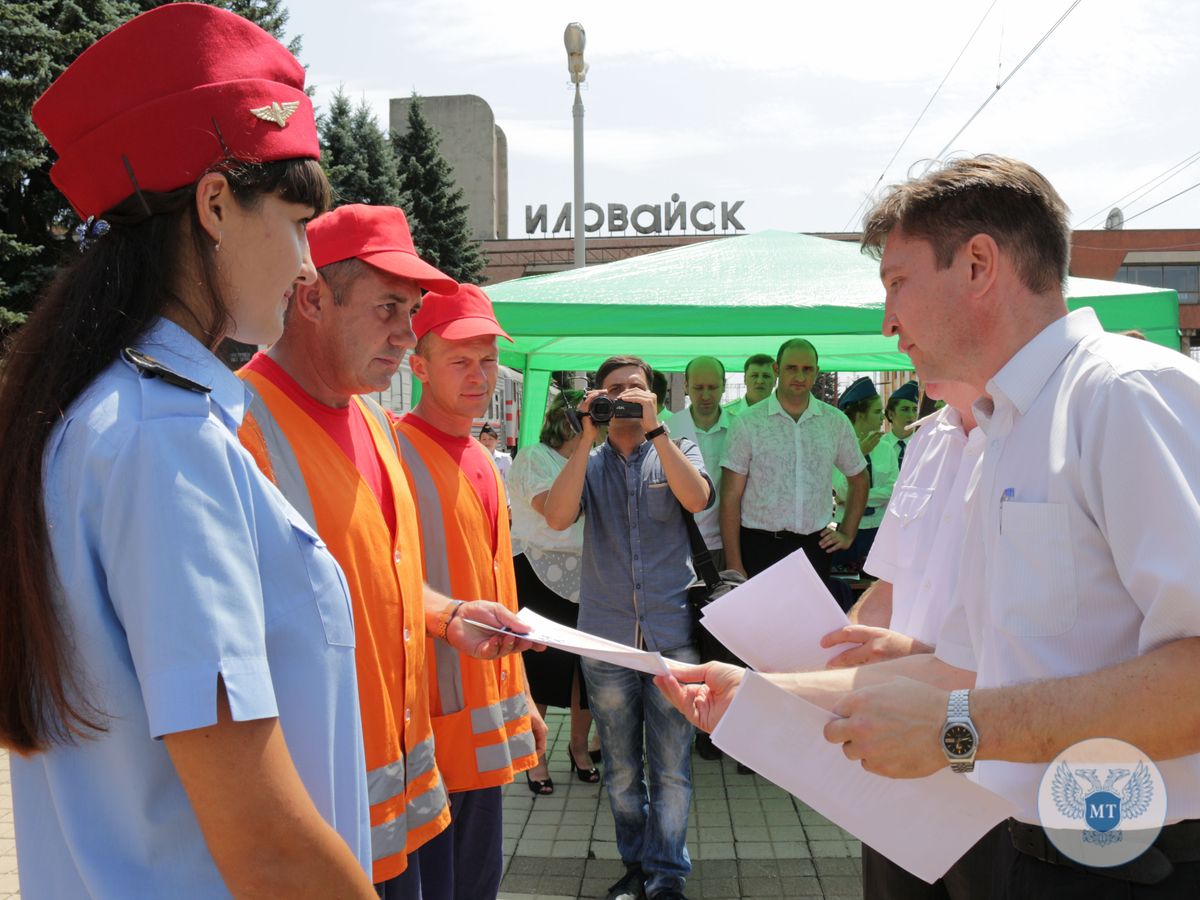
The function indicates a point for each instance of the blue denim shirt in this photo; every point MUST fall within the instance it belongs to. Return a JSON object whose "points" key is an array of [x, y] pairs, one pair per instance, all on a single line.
{"points": [[637, 562]]}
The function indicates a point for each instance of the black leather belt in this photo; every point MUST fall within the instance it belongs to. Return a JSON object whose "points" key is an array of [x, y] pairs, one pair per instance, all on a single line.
{"points": [[1178, 843], [778, 535]]}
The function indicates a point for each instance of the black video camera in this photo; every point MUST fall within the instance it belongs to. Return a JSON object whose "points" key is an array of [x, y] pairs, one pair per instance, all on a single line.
{"points": [[603, 410]]}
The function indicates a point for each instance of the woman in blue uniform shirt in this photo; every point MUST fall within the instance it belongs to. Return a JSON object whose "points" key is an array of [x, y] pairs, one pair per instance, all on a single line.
{"points": [[175, 642]]}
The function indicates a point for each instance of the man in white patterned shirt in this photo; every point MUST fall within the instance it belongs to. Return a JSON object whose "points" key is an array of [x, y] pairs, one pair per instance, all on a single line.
{"points": [[777, 473]]}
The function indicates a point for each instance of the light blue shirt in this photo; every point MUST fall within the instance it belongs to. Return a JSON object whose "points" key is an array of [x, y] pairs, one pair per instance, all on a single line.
{"points": [[179, 564]]}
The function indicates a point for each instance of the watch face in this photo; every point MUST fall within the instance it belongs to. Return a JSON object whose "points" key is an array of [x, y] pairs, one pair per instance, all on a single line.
{"points": [[958, 740]]}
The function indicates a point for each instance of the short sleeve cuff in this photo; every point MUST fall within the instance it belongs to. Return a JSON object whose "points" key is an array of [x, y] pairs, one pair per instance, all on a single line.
{"points": [[861, 468], [955, 655], [184, 699]]}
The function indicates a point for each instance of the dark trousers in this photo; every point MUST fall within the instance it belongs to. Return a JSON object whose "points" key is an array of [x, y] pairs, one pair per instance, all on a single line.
{"points": [[1019, 876], [466, 861], [968, 879], [762, 549], [406, 885]]}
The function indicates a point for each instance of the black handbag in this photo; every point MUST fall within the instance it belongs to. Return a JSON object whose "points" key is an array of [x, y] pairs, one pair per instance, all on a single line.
{"points": [[713, 585]]}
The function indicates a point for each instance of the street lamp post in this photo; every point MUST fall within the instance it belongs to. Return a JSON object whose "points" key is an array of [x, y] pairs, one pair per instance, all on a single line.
{"points": [[575, 40]]}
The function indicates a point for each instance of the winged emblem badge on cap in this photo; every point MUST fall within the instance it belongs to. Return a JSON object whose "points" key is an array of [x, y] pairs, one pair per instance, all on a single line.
{"points": [[277, 112]]}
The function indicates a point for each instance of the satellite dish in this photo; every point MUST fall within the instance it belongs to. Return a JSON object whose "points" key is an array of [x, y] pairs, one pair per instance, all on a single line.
{"points": [[1115, 220]]}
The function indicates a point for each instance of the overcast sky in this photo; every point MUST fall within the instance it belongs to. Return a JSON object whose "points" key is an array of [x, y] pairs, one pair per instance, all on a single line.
{"points": [[792, 108]]}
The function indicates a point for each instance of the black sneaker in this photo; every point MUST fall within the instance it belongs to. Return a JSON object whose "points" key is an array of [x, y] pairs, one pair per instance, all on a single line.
{"points": [[705, 748], [631, 887]]}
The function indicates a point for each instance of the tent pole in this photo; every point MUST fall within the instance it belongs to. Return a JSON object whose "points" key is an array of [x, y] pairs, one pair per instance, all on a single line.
{"points": [[535, 390]]}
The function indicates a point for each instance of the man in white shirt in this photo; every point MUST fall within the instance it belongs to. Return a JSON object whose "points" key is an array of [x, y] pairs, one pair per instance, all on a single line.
{"points": [[916, 558], [759, 374], [1081, 614], [706, 424], [777, 478]]}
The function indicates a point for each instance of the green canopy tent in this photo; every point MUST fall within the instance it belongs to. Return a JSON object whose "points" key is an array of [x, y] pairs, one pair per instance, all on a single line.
{"points": [[734, 297]]}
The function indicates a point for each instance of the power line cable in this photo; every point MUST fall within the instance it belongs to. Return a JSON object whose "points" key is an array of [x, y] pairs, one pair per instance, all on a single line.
{"points": [[1001, 84], [928, 104], [1161, 202], [1161, 178]]}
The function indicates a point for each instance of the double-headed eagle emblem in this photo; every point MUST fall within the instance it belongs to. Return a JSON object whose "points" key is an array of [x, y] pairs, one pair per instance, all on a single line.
{"points": [[277, 112], [1098, 803]]}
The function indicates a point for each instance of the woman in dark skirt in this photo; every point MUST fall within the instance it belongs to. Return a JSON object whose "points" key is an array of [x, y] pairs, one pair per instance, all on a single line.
{"points": [[547, 565]]}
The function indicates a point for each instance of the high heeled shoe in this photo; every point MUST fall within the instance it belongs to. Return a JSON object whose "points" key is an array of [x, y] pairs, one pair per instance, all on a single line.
{"points": [[596, 754], [541, 787], [587, 776]]}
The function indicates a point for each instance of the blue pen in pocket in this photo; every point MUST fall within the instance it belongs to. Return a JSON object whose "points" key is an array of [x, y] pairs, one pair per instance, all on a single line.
{"points": [[1008, 494]]}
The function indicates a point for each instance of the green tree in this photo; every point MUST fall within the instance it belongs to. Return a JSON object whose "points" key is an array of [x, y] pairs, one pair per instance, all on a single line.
{"points": [[40, 38], [357, 157], [437, 212]]}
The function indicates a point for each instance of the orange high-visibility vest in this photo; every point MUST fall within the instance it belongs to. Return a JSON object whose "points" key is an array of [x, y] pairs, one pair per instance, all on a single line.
{"points": [[479, 707], [409, 804]]}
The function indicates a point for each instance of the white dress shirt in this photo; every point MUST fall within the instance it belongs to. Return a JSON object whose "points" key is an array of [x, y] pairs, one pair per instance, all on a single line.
{"points": [[884, 472], [892, 440], [1083, 524], [712, 448], [789, 464], [919, 543]]}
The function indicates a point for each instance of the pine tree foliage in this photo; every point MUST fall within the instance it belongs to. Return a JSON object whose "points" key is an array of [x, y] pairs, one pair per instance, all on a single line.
{"points": [[357, 157], [437, 213], [39, 40]]}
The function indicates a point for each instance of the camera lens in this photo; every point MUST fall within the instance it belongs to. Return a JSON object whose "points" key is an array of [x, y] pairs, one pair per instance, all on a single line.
{"points": [[601, 410]]}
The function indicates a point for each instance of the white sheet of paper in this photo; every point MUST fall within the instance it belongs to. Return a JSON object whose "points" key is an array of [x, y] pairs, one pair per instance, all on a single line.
{"points": [[552, 634], [775, 621], [922, 824]]}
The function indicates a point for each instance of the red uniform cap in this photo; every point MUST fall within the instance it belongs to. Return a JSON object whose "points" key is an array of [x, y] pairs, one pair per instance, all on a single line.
{"points": [[379, 236], [467, 313], [165, 97]]}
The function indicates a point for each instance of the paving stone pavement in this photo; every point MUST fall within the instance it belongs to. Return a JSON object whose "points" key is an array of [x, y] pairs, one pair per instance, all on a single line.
{"points": [[747, 838], [9, 889]]}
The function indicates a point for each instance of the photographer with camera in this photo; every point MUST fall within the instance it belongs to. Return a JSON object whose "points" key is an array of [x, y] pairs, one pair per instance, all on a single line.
{"points": [[634, 590]]}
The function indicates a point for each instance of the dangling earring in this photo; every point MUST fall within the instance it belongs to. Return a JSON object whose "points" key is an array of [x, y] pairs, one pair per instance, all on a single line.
{"points": [[220, 238]]}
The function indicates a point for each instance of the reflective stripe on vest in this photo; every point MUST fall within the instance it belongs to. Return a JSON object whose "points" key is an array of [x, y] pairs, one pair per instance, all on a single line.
{"points": [[284, 465], [391, 780], [437, 568], [496, 716], [500, 756]]}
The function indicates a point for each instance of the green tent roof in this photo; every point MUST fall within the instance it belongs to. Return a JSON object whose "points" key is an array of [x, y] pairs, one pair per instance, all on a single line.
{"points": [[733, 297]]}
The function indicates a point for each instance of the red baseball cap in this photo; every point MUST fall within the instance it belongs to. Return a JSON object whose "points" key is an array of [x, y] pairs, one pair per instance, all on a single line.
{"points": [[379, 236], [464, 314], [159, 101]]}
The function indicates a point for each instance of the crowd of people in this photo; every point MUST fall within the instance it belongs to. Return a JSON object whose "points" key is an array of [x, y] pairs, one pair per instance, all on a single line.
{"points": [[260, 634]]}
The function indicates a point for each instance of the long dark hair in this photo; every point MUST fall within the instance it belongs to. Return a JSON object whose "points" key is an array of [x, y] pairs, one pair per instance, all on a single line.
{"points": [[97, 305]]}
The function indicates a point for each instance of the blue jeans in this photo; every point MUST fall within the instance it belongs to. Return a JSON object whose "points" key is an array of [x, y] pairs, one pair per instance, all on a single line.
{"points": [[630, 712]]}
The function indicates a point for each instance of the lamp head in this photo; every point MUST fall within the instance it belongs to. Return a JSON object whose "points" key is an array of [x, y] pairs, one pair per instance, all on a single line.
{"points": [[575, 39]]}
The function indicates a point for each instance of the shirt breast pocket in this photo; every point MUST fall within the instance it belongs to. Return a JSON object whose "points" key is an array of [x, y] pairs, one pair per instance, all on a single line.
{"points": [[660, 502], [908, 512], [1033, 572], [330, 592]]}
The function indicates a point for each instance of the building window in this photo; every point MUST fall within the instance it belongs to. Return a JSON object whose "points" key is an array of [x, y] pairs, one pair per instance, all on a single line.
{"points": [[1183, 279]]}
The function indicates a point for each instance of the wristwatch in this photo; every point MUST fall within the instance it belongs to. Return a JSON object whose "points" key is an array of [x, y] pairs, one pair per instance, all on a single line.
{"points": [[655, 432], [960, 740]]}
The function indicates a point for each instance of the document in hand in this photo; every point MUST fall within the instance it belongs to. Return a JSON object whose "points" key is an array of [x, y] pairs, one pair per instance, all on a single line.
{"points": [[548, 632], [775, 621], [922, 824]]}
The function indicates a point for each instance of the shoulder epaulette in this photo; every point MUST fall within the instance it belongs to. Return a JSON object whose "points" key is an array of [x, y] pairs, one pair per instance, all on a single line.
{"points": [[149, 367]]}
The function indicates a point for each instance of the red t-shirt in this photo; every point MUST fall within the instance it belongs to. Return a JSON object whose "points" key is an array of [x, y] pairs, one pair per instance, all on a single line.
{"points": [[346, 426], [472, 458]]}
